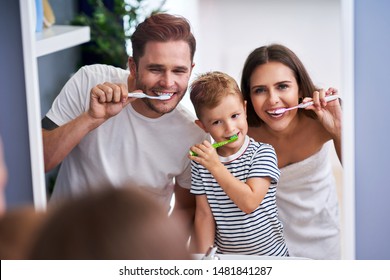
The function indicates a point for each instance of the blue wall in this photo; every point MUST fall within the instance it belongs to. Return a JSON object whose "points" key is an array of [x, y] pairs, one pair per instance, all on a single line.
{"points": [[54, 71], [13, 107], [372, 128]]}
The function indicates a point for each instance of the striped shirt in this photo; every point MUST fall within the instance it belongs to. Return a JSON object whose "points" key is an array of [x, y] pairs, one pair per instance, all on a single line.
{"points": [[257, 233]]}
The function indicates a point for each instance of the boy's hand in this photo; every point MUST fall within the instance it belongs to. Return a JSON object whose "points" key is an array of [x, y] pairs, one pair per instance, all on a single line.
{"points": [[206, 155]]}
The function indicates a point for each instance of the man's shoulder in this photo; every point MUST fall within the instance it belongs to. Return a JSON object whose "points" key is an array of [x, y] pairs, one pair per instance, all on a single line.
{"points": [[185, 113], [106, 71], [184, 120]]}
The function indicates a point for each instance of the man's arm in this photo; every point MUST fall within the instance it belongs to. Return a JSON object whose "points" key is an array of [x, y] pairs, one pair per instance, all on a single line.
{"points": [[106, 101], [59, 142], [184, 208]]}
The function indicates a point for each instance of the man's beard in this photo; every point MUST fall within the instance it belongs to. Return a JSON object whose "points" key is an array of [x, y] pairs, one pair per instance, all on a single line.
{"points": [[149, 102]]}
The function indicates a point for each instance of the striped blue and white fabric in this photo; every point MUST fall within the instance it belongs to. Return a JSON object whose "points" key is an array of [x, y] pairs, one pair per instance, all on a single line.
{"points": [[257, 233]]}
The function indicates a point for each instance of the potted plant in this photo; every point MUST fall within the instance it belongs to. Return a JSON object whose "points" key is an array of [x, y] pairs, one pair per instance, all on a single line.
{"points": [[111, 22]]}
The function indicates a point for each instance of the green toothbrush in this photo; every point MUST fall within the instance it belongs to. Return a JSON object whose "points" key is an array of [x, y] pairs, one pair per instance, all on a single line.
{"points": [[219, 144]]}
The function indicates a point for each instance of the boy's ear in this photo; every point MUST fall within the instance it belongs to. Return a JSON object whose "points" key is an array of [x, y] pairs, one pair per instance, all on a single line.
{"points": [[200, 124]]}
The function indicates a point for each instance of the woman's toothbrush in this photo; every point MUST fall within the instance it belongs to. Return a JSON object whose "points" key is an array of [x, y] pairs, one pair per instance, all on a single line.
{"points": [[143, 95], [304, 105], [219, 144]]}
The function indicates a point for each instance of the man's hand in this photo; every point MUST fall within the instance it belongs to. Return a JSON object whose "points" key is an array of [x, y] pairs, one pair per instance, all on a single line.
{"points": [[107, 100]]}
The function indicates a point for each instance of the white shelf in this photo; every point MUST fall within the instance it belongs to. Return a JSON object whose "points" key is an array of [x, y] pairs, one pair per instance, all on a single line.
{"points": [[53, 39], [60, 37]]}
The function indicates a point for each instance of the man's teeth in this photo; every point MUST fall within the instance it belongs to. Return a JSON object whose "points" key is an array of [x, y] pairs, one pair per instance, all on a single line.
{"points": [[164, 93]]}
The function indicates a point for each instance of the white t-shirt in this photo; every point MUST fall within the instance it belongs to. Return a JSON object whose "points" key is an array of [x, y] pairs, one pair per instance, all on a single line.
{"points": [[128, 148]]}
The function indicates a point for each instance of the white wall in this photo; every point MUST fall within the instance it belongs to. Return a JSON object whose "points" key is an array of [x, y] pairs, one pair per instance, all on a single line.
{"points": [[228, 30]]}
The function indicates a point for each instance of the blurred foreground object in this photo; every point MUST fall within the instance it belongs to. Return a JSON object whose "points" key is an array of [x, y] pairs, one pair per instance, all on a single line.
{"points": [[112, 224]]}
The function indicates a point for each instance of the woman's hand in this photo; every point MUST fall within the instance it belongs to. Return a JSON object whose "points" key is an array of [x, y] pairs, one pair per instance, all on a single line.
{"points": [[329, 113]]}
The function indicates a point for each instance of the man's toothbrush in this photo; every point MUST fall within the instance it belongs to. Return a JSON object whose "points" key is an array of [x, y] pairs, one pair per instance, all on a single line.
{"points": [[219, 144], [143, 95]]}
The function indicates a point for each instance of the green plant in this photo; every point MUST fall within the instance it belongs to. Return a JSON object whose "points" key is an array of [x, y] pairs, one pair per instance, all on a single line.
{"points": [[111, 29]]}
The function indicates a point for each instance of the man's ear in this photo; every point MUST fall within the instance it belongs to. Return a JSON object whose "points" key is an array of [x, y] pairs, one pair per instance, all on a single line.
{"points": [[200, 124], [132, 66], [192, 67]]}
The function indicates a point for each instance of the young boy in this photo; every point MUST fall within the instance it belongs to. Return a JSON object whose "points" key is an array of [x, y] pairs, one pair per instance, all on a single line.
{"points": [[235, 185]]}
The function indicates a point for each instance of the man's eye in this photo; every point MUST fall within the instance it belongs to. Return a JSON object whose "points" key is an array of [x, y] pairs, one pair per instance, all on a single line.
{"points": [[180, 71]]}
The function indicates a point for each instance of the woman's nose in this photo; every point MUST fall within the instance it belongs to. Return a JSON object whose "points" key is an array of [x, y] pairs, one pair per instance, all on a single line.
{"points": [[273, 98]]}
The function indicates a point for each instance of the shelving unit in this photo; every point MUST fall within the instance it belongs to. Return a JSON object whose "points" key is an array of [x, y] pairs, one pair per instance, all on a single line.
{"points": [[60, 37], [50, 40]]}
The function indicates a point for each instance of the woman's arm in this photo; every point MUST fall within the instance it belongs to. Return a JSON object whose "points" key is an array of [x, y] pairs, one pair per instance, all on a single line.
{"points": [[330, 116]]}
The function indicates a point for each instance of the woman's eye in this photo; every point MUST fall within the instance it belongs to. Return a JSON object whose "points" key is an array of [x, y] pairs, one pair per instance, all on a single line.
{"points": [[283, 86], [259, 90], [234, 116]]}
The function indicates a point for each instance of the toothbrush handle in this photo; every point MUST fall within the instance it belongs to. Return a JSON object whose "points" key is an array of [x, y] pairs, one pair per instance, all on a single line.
{"points": [[327, 98], [136, 94], [219, 144], [215, 145]]}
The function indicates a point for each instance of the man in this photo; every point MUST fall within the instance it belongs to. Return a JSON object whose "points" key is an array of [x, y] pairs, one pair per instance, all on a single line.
{"points": [[103, 137]]}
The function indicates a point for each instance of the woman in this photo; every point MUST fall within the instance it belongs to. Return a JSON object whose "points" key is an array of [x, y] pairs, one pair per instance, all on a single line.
{"points": [[273, 77]]}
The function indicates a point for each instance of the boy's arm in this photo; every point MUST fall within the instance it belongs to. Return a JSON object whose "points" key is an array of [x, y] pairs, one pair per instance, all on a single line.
{"points": [[247, 196], [204, 225]]}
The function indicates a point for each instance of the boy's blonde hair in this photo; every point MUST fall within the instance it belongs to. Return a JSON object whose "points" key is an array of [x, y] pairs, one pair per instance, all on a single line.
{"points": [[208, 89]]}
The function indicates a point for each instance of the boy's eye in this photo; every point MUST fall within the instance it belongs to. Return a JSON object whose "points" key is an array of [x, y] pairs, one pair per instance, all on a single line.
{"points": [[216, 122]]}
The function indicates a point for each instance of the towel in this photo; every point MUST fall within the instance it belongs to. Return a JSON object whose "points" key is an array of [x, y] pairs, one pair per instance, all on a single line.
{"points": [[308, 207]]}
